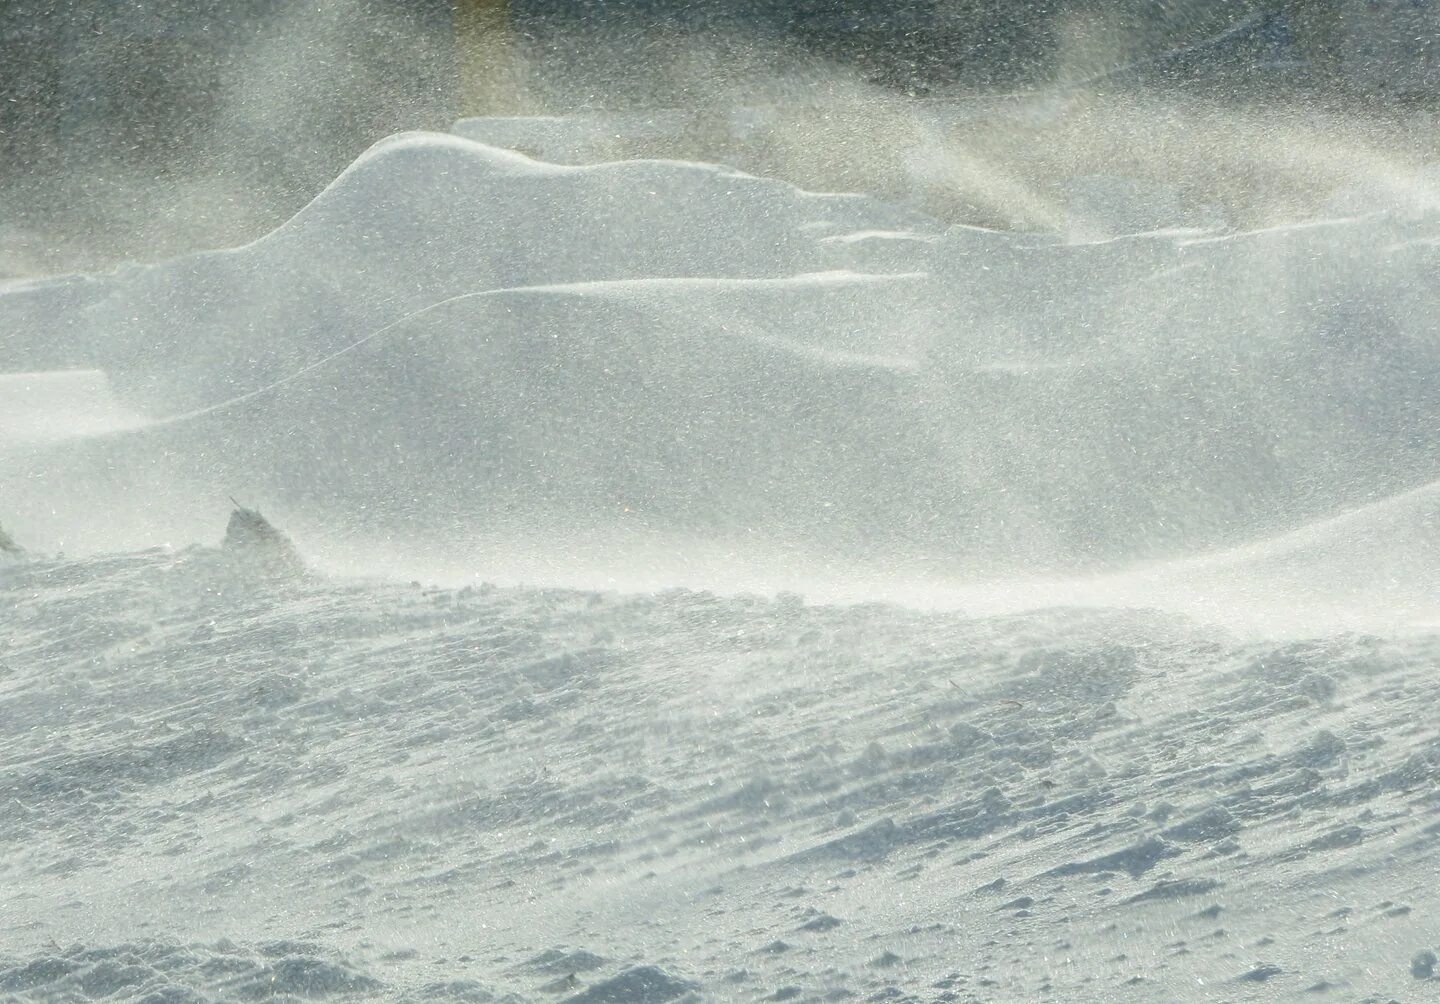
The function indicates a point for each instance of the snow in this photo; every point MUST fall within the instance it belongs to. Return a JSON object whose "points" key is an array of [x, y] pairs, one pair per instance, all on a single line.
{"points": [[535, 335], [819, 601], [498, 789], [45, 408]]}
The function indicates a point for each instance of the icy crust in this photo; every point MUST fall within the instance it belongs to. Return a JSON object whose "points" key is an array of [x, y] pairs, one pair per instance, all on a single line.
{"points": [[557, 794]]}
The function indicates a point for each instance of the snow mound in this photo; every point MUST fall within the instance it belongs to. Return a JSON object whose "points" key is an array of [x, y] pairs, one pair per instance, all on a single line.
{"points": [[507, 353], [417, 219]]}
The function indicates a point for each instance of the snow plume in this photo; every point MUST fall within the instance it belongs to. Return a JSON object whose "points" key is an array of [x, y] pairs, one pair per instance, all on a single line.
{"points": [[174, 127], [265, 110], [1242, 153]]}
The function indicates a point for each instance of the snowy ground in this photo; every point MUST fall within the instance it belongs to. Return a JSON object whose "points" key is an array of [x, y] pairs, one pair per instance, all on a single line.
{"points": [[1115, 680], [221, 789]]}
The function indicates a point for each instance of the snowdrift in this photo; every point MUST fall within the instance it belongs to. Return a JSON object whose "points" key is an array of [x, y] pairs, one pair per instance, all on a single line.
{"points": [[1376, 568], [458, 339], [224, 777], [417, 219]]}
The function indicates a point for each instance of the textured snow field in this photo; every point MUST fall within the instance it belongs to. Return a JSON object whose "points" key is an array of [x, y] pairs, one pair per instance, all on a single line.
{"points": [[1115, 677], [221, 789]]}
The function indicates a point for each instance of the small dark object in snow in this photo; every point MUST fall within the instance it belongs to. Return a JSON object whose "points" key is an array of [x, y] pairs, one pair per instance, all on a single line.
{"points": [[253, 539], [561, 985], [8, 547], [1422, 967], [553, 960], [1260, 974], [642, 985]]}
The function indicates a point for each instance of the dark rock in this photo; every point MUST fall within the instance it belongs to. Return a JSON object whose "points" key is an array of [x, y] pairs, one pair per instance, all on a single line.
{"points": [[254, 540], [1422, 967], [8, 547]]}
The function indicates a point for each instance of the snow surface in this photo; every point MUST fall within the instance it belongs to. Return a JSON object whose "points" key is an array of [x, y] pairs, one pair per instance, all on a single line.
{"points": [[347, 789], [1113, 679]]}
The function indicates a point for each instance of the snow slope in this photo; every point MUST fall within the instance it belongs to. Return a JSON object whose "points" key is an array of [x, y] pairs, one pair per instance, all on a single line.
{"points": [[1376, 568], [223, 789]]}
